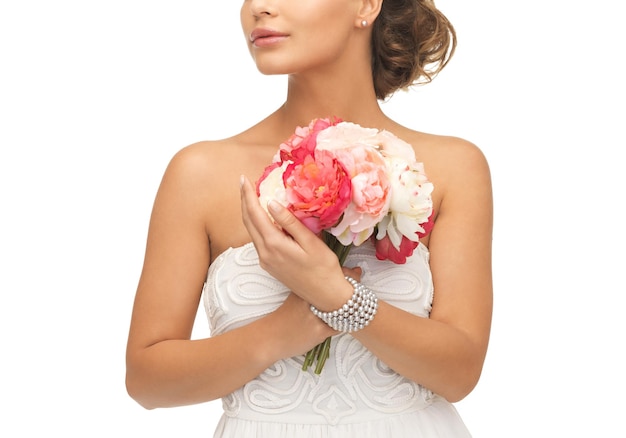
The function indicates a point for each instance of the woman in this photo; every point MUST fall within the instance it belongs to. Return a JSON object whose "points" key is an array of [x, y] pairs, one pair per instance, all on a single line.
{"points": [[421, 352]]}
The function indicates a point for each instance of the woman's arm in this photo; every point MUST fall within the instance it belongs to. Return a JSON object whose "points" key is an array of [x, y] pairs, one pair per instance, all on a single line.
{"points": [[446, 352], [166, 368]]}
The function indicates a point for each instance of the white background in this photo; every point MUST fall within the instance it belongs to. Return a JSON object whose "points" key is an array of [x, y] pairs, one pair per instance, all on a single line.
{"points": [[95, 98]]}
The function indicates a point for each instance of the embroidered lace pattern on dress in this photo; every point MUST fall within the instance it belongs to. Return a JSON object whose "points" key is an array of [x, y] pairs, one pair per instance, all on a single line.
{"points": [[354, 385]]}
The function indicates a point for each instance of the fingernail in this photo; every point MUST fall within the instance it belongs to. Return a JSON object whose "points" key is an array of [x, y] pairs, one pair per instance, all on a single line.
{"points": [[241, 180], [273, 206]]}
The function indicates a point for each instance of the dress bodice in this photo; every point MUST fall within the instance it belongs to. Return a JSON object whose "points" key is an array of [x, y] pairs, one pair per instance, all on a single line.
{"points": [[354, 385], [238, 290]]}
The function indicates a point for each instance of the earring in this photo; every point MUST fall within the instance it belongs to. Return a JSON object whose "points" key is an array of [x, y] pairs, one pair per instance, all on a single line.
{"points": [[364, 23]]}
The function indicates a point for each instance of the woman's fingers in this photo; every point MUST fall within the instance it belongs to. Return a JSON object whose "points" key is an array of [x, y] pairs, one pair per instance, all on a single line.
{"points": [[274, 245], [289, 251], [263, 228], [291, 225], [255, 218], [353, 272]]}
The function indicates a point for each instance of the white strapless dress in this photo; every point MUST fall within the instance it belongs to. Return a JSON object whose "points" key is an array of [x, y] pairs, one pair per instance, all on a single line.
{"points": [[356, 395]]}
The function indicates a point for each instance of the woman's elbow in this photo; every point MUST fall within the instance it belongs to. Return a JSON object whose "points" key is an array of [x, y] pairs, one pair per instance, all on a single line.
{"points": [[463, 385], [136, 389]]}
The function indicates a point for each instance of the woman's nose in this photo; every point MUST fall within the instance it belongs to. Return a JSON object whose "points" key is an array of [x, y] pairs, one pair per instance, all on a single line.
{"points": [[260, 8]]}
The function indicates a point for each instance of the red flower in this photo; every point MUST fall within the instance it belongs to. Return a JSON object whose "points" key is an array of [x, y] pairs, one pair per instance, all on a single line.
{"points": [[304, 140], [317, 190], [386, 251]]}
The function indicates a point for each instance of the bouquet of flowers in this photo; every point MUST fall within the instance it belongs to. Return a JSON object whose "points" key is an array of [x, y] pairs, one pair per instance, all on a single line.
{"points": [[349, 184]]}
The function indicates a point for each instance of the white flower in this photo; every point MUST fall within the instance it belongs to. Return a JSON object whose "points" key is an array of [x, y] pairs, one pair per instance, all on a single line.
{"points": [[345, 135], [272, 187], [411, 203], [392, 146]]}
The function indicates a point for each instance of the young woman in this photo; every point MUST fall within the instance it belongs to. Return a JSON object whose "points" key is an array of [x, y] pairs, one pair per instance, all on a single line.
{"points": [[425, 347]]}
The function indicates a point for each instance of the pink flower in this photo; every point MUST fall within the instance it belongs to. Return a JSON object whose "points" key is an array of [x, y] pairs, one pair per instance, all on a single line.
{"points": [[317, 190], [315, 187], [304, 140], [370, 194], [357, 149]]}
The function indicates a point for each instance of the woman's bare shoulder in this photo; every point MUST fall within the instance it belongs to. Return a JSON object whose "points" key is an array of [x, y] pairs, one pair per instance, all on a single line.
{"points": [[442, 147], [203, 155], [195, 172], [447, 156], [207, 162]]}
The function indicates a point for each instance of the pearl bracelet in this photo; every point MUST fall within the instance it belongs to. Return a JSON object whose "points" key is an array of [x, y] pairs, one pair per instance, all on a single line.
{"points": [[356, 314]]}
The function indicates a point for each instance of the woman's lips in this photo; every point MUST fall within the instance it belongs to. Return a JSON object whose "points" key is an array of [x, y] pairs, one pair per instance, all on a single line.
{"points": [[266, 37]]}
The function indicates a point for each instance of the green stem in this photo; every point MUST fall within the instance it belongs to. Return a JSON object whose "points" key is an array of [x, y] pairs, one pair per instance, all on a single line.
{"points": [[323, 355], [310, 357]]}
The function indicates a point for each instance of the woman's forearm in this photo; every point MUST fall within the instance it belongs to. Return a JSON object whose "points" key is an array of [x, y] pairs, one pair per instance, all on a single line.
{"points": [[183, 372], [442, 358]]}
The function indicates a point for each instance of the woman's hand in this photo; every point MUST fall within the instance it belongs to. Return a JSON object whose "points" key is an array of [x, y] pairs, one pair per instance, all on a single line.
{"points": [[294, 255], [295, 328]]}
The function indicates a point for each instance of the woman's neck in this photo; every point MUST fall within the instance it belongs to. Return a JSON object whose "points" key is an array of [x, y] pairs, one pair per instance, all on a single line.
{"points": [[341, 95]]}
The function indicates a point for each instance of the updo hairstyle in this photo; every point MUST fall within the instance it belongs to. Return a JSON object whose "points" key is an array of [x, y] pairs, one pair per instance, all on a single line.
{"points": [[412, 41]]}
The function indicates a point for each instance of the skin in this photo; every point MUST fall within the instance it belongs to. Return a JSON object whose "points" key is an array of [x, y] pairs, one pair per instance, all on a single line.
{"points": [[206, 203]]}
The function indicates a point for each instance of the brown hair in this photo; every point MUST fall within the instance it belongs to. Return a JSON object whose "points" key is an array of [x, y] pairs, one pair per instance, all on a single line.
{"points": [[412, 41]]}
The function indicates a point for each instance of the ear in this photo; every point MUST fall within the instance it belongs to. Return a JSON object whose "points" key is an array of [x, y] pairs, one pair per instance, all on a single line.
{"points": [[368, 11]]}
